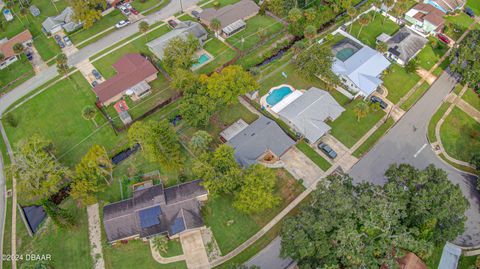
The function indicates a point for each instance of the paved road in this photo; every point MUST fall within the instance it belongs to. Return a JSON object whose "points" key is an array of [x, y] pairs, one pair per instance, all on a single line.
{"points": [[407, 143], [269, 257]]}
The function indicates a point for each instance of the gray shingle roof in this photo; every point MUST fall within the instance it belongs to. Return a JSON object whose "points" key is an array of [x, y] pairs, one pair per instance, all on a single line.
{"points": [[308, 113], [122, 219], [260, 136], [183, 30], [405, 44], [230, 13], [65, 19]]}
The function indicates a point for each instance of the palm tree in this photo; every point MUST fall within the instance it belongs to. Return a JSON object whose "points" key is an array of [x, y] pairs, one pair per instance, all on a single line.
{"points": [[216, 25], [144, 27], [298, 47], [89, 113], [382, 47], [160, 243], [2, 57], [364, 20], [61, 58], [261, 32], [351, 12], [18, 48], [24, 13], [388, 4], [361, 110], [310, 32], [10, 5], [53, 3]]}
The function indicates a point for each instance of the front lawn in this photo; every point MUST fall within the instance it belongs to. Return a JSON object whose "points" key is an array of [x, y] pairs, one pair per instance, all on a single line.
{"points": [[314, 156], [434, 120], [231, 227], [348, 130], [456, 25], [15, 74], [259, 29], [370, 142], [429, 55], [221, 53], [460, 135], [103, 24], [391, 81], [471, 97], [69, 247], [370, 32], [415, 96], [56, 114], [134, 254]]}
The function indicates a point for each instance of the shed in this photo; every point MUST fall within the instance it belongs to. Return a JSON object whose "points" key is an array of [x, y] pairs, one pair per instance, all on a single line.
{"points": [[233, 130], [34, 11], [383, 37], [34, 216]]}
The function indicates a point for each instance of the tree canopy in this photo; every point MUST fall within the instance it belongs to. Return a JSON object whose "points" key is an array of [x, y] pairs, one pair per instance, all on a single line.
{"points": [[88, 11], [180, 52], [315, 61], [366, 226], [464, 59]]}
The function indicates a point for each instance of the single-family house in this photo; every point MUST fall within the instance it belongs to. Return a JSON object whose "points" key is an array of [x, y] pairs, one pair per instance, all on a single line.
{"points": [[182, 30], [405, 45], [358, 66], [134, 72], [155, 210], [308, 112], [446, 5], [263, 140], [6, 47], [426, 18], [63, 21], [232, 17]]}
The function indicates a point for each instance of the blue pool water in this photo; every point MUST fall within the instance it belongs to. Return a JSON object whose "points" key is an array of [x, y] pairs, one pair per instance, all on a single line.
{"points": [[278, 94], [201, 60], [344, 54]]}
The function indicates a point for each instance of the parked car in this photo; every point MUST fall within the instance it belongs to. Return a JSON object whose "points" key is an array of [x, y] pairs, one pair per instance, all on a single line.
{"points": [[122, 24], [375, 99], [196, 14], [94, 83], [29, 55], [172, 23], [134, 11], [128, 5], [96, 74], [124, 10], [61, 44], [327, 149], [67, 41], [469, 12], [443, 38], [57, 38]]}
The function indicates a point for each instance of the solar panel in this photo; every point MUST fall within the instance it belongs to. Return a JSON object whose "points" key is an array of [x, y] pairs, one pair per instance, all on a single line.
{"points": [[177, 226], [150, 216]]}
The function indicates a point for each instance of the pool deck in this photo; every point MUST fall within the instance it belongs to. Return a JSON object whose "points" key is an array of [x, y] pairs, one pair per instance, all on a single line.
{"points": [[263, 99], [199, 53]]}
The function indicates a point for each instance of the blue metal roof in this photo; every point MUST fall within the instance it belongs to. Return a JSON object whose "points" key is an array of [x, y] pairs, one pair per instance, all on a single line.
{"points": [[150, 216]]}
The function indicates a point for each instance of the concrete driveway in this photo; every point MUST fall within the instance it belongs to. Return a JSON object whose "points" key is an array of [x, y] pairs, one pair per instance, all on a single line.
{"points": [[194, 250], [407, 142], [300, 166]]}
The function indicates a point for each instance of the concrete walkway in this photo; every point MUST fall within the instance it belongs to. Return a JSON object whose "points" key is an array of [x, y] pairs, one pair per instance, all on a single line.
{"points": [[95, 236], [469, 109], [158, 257]]}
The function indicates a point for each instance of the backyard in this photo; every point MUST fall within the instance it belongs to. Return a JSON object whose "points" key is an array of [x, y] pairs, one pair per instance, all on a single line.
{"points": [[460, 135], [370, 32], [221, 53], [259, 29], [391, 80]]}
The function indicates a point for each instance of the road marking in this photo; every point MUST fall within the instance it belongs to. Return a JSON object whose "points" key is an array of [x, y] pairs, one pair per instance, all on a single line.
{"points": [[420, 150]]}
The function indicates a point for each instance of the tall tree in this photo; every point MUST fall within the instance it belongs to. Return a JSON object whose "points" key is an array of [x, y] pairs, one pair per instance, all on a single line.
{"points": [[88, 11], [257, 191], [143, 26], [89, 113], [216, 25], [200, 141], [310, 33], [18, 48], [351, 12], [364, 20], [196, 106], [38, 173], [159, 143], [179, 53], [361, 110], [316, 61], [295, 15], [464, 59], [62, 64]]}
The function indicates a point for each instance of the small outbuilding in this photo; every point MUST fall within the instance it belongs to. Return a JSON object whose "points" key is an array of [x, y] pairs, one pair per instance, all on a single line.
{"points": [[34, 11]]}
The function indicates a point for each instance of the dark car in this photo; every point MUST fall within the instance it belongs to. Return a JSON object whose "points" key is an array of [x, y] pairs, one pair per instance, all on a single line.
{"points": [[375, 99], [196, 14], [134, 11], [29, 55], [443, 38], [94, 83], [61, 44], [57, 38], [469, 12], [96, 74], [172, 23], [327, 149]]}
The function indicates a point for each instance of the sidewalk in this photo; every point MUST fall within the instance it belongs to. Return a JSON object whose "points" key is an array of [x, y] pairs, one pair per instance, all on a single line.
{"points": [[95, 236]]}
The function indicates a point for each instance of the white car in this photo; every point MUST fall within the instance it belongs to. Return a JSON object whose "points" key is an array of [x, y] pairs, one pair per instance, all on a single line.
{"points": [[124, 10], [122, 23], [127, 5]]}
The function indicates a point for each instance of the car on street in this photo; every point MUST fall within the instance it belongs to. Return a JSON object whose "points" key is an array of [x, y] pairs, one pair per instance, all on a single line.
{"points": [[122, 24], [443, 38], [67, 41], [172, 23], [134, 11], [96, 74], [94, 83], [327, 149], [124, 10], [196, 14], [469, 12], [375, 99]]}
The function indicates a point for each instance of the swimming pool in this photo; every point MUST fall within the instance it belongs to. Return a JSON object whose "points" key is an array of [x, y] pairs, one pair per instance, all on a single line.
{"points": [[344, 54], [201, 60], [277, 94]]}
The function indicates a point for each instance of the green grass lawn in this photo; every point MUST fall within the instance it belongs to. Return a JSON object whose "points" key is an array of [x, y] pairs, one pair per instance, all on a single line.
{"points": [[370, 32], [231, 227], [134, 254], [348, 130], [15, 74], [104, 23], [56, 114], [415, 96], [104, 65], [221, 53], [434, 120], [174, 248], [391, 81], [249, 37], [259, 54], [442, 67], [429, 55], [314, 156], [456, 25], [460, 135], [370, 142], [218, 3], [144, 5], [474, 5], [69, 247], [471, 97]]}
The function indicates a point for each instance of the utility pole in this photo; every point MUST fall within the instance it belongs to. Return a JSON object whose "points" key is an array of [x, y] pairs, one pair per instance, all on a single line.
{"points": [[181, 6]]}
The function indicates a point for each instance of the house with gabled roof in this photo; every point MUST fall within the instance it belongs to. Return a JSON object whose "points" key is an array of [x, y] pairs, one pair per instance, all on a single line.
{"points": [[6, 47], [156, 210], [63, 21], [405, 45], [446, 5], [426, 18]]}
